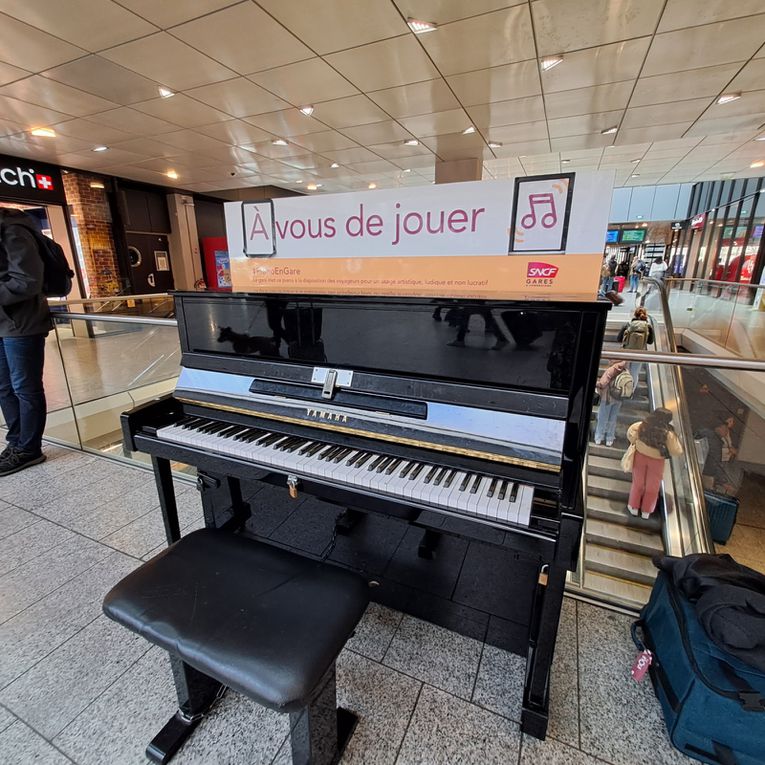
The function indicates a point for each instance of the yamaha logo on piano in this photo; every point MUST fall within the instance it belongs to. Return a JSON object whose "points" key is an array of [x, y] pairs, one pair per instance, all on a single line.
{"points": [[322, 414]]}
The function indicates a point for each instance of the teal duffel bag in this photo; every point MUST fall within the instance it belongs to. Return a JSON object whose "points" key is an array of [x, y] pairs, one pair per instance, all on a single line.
{"points": [[713, 703]]}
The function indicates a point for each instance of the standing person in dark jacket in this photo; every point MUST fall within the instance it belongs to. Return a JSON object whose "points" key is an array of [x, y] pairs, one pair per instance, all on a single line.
{"points": [[24, 324]]}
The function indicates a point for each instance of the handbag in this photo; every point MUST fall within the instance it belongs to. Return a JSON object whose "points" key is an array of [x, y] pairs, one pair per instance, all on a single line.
{"points": [[628, 459]]}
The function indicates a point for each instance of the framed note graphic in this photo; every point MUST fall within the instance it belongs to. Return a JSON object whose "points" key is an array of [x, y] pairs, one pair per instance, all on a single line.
{"points": [[541, 210], [258, 229]]}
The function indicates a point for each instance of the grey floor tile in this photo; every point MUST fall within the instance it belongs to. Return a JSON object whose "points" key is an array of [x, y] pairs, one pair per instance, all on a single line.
{"points": [[383, 699], [375, 631], [53, 692], [140, 536], [38, 630], [42, 481], [119, 724], [20, 745], [564, 680], [29, 542], [237, 732], [30, 582], [620, 719], [435, 655], [6, 719], [499, 686], [552, 752], [13, 519], [445, 729], [99, 522]]}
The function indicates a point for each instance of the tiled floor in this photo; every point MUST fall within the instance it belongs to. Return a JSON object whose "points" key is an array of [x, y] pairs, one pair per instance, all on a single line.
{"points": [[76, 688]]}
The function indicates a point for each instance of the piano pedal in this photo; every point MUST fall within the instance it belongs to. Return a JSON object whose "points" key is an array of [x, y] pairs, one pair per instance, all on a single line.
{"points": [[428, 545], [347, 521]]}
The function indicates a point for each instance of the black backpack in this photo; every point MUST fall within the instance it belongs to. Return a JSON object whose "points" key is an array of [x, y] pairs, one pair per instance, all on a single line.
{"points": [[57, 276]]}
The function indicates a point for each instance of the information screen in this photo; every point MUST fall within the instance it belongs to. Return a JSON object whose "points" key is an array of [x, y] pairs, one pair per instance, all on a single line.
{"points": [[612, 236], [633, 235]]}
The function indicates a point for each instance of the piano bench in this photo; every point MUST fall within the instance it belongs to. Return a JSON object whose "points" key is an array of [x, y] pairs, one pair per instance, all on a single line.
{"points": [[237, 613]]}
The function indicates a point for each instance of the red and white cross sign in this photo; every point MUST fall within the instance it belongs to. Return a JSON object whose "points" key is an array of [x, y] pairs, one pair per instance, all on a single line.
{"points": [[44, 182]]}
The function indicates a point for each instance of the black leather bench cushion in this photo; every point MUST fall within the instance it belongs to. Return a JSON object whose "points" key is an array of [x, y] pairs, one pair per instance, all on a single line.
{"points": [[263, 621]]}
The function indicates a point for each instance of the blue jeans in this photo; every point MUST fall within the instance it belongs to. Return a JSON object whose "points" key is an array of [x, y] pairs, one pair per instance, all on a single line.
{"points": [[635, 368], [634, 281], [606, 425], [22, 398]]}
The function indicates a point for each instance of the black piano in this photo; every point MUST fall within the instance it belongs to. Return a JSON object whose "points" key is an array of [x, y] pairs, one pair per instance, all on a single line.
{"points": [[435, 446]]}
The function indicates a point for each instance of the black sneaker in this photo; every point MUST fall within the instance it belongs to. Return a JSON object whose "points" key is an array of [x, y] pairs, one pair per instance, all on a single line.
{"points": [[3, 454], [12, 460]]}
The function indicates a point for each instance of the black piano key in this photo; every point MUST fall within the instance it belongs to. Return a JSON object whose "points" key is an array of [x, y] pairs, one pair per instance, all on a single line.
{"points": [[341, 455], [407, 469], [476, 484], [382, 465], [431, 474], [184, 422], [465, 482], [392, 466], [368, 456], [502, 490], [306, 447], [493, 486], [295, 445], [218, 427], [254, 435], [207, 426], [325, 452], [514, 492], [439, 476], [316, 448], [373, 465], [224, 433], [235, 431], [354, 458], [418, 469], [270, 439], [450, 478]]}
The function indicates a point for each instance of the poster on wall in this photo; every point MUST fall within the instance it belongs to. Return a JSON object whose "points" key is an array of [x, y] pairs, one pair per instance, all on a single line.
{"points": [[222, 268], [541, 210], [450, 240]]}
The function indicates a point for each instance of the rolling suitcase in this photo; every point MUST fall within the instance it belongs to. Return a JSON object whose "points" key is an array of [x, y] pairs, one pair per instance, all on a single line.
{"points": [[722, 512], [713, 703]]}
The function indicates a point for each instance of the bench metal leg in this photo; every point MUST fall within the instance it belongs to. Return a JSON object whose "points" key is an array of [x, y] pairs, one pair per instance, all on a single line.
{"points": [[320, 731], [196, 694]]}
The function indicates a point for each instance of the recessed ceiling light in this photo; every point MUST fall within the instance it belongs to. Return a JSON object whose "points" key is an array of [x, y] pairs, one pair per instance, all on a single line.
{"points": [[635, 161], [43, 132], [312, 187], [408, 170], [565, 161], [609, 130], [279, 142], [760, 138], [307, 110], [411, 142], [334, 165], [639, 217], [165, 92], [421, 27], [495, 145], [726, 98], [635, 175], [100, 148], [172, 174], [97, 185], [758, 163], [644, 225], [468, 130], [372, 186], [550, 62]]}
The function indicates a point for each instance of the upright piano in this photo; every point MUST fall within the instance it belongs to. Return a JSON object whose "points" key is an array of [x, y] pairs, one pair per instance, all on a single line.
{"points": [[435, 446]]}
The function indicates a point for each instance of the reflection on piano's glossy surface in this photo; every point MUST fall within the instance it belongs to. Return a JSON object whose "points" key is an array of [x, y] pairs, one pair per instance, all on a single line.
{"points": [[461, 423]]}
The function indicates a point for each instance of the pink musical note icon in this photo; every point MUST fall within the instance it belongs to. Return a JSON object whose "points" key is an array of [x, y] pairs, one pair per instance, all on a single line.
{"points": [[549, 219]]}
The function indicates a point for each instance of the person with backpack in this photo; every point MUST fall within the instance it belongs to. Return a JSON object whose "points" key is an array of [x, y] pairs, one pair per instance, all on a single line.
{"points": [[24, 324], [636, 271], [636, 335], [614, 386], [651, 442]]}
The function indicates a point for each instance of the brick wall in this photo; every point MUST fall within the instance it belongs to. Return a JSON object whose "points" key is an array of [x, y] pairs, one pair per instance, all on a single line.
{"points": [[90, 210]]}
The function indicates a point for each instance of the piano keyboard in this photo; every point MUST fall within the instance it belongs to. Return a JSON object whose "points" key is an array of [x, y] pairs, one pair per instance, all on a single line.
{"points": [[467, 493]]}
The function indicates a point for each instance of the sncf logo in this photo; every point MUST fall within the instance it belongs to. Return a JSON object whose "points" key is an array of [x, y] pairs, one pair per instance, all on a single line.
{"points": [[18, 176], [537, 270]]}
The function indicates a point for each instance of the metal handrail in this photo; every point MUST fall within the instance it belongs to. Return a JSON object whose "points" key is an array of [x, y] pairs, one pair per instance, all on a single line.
{"points": [[115, 298], [676, 280], [688, 359], [120, 319]]}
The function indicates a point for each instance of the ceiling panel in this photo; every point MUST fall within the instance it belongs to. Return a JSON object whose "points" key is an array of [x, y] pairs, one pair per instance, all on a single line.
{"points": [[695, 83], [305, 82], [601, 98], [458, 146], [340, 24], [507, 112], [287, 122], [700, 47], [28, 114], [652, 133], [97, 75], [562, 25], [597, 66], [96, 134], [578, 142], [415, 99], [347, 112], [190, 140], [44, 92], [10, 73], [707, 126], [399, 152], [238, 98], [21, 43], [749, 103], [438, 123], [444, 11], [385, 64], [350, 156], [168, 61], [328, 140], [181, 110], [582, 124], [690, 13], [244, 38], [751, 76], [660, 114], [499, 83], [377, 132], [91, 24], [134, 122], [505, 37], [526, 131], [522, 148], [234, 132], [170, 12]]}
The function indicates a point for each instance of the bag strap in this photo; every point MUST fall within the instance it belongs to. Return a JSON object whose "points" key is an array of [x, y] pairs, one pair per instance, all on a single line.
{"points": [[751, 700], [724, 754]]}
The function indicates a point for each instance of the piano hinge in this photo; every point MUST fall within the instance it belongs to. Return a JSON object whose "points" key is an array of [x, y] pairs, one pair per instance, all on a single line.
{"points": [[292, 485]]}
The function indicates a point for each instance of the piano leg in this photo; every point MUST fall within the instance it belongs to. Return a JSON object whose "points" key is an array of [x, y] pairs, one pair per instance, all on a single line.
{"points": [[428, 544], [544, 629], [166, 491], [222, 502], [196, 694]]}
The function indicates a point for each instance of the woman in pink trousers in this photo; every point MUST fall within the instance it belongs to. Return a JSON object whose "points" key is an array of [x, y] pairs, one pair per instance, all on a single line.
{"points": [[651, 442]]}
